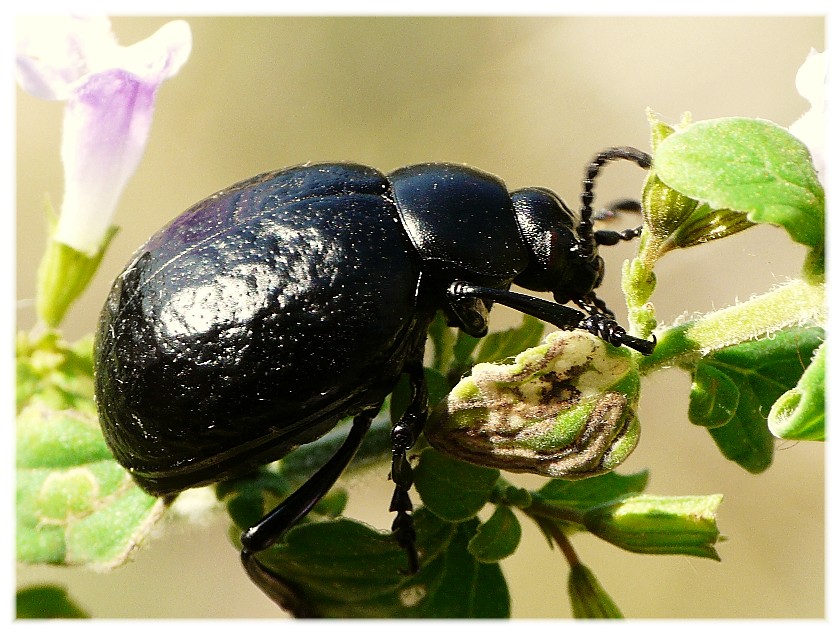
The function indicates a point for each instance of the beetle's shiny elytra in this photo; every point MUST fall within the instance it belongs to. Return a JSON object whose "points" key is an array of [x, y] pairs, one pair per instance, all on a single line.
{"points": [[263, 315]]}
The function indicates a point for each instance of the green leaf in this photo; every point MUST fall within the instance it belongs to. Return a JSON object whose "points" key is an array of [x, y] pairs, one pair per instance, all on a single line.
{"points": [[344, 569], [469, 588], [496, 346], [659, 525], [750, 166], [462, 351], [583, 495], [760, 372], [50, 438], [713, 400], [799, 414], [589, 599], [496, 538], [54, 371], [442, 338], [47, 602], [451, 489], [674, 220]]}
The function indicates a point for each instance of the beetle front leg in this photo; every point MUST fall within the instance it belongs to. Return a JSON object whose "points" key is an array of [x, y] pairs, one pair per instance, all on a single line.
{"points": [[563, 317], [403, 435]]}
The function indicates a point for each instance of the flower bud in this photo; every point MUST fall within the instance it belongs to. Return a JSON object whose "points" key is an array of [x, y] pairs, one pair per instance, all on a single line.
{"points": [[563, 409], [589, 599], [659, 525]]}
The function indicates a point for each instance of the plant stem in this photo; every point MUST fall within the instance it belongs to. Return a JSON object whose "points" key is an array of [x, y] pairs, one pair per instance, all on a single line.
{"points": [[793, 304]]}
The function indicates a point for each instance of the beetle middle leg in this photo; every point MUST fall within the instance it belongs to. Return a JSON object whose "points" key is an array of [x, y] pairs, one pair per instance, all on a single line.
{"points": [[403, 435], [271, 527]]}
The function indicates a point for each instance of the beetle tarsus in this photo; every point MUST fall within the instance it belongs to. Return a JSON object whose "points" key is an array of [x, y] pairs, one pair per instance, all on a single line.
{"points": [[276, 588], [606, 328]]}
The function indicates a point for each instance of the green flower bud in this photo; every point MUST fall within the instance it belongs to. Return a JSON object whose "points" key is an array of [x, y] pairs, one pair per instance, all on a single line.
{"points": [[563, 409], [675, 220], [63, 274], [652, 524], [588, 597]]}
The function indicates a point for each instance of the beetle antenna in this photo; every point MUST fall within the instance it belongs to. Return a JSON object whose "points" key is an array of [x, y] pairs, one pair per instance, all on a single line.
{"points": [[585, 229]]}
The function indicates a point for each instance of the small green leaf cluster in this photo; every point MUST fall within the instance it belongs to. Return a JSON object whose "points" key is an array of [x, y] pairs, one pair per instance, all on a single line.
{"points": [[755, 357], [75, 504]]}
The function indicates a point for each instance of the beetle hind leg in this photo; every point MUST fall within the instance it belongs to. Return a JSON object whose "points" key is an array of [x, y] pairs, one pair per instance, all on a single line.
{"points": [[286, 514]]}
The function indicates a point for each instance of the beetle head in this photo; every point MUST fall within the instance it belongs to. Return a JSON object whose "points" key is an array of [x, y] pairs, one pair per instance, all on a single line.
{"points": [[563, 254]]}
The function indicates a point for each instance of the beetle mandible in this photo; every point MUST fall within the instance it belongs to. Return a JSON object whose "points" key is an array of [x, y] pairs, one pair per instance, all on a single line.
{"points": [[261, 316]]}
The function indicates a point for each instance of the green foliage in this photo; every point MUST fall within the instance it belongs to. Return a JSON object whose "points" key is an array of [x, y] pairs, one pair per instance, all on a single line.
{"points": [[453, 490], [749, 166], [497, 538], [799, 414]]}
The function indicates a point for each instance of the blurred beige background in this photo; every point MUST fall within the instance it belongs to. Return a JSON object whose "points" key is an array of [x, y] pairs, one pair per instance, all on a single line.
{"points": [[530, 99]]}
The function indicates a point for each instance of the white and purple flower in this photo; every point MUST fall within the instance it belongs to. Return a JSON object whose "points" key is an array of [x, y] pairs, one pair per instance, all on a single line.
{"points": [[110, 95]]}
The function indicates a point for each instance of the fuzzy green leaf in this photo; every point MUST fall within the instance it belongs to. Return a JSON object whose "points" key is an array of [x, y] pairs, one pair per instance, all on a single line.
{"points": [[750, 166], [75, 504]]}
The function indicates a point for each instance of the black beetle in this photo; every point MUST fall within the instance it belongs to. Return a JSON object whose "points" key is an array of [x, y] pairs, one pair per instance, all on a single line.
{"points": [[261, 316]]}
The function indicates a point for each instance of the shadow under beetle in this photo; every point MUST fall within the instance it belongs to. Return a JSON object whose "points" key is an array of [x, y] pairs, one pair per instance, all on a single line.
{"points": [[261, 316]]}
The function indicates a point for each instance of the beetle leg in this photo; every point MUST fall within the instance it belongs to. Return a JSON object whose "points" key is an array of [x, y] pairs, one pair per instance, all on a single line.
{"points": [[470, 314], [403, 436], [561, 316], [271, 527]]}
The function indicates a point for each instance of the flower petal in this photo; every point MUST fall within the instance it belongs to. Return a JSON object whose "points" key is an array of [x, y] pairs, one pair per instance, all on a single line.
{"points": [[810, 78], [53, 52], [106, 124], [159, 56]]}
